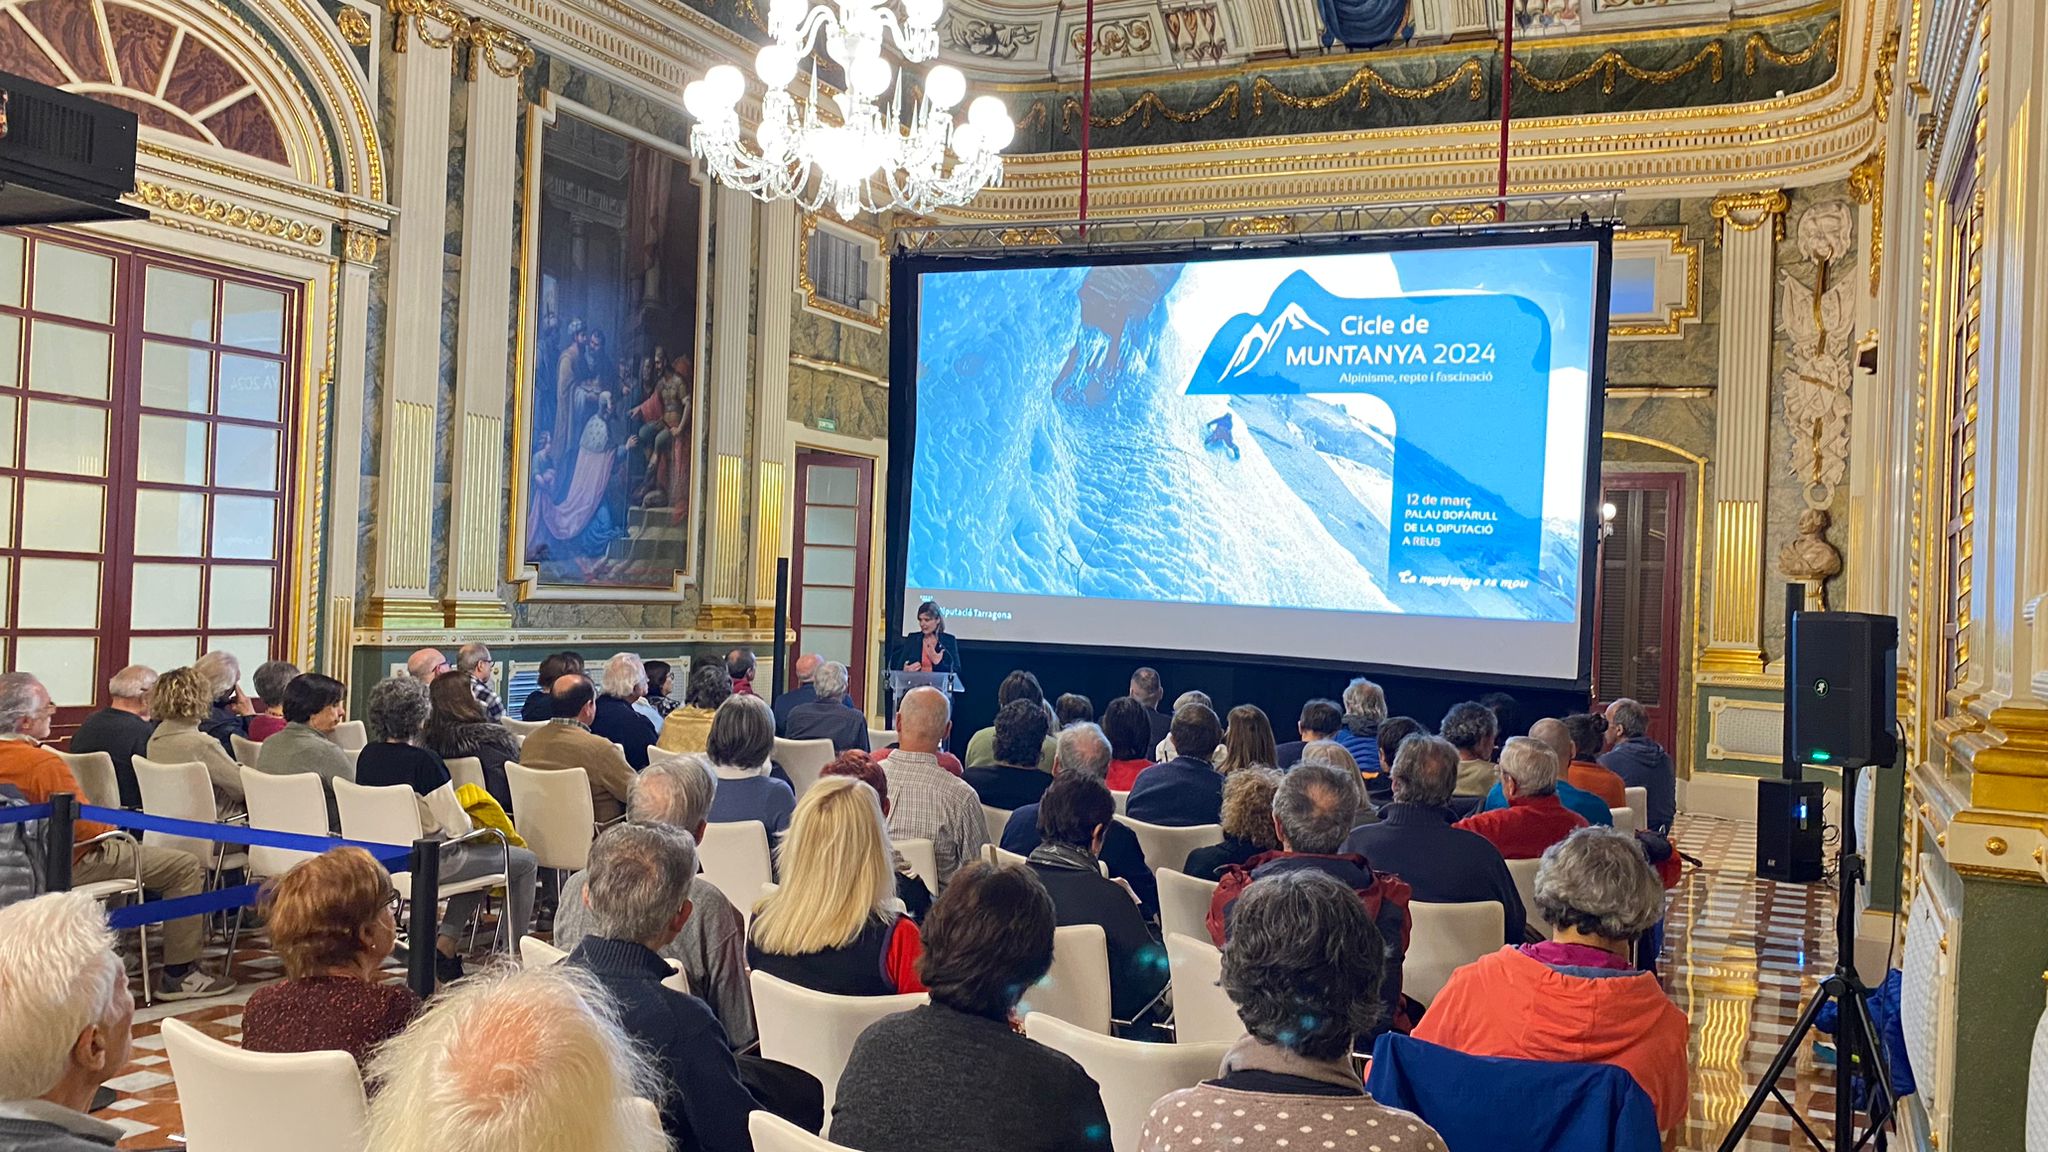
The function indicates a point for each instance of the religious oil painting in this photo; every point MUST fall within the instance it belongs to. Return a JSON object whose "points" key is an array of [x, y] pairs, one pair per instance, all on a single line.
{"points": [[610, 403]]}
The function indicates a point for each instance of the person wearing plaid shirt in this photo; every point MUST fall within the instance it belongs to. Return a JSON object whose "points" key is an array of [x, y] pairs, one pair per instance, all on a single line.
{"points": [[926, 801], [474, 661]]}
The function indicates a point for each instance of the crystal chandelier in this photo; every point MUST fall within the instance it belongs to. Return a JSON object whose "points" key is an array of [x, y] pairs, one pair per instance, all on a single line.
{"points": [[870, 159]]}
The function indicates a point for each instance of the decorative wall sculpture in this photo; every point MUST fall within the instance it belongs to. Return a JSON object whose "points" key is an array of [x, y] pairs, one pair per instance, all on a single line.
{"points": [[1818, 320]]}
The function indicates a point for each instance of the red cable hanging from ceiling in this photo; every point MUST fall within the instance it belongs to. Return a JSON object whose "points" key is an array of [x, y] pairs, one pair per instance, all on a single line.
{"points": [[1507, 92], [1087, 105]]}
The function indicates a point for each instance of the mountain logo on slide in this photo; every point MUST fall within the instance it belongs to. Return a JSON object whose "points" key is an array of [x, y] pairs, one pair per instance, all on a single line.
{"points": [[1292, 319]]}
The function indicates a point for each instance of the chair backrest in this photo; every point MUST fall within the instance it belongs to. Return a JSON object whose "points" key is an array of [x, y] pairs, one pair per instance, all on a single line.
{"points": [[1167, 847], [771, 1133], [803, 761], [234, 1100], [292, 802], [1133, 1075], [466, 770], [815, 1030], [352, 735], [643, 1126], [1524, 872], [1624, 819], [1076, 988], [1121, 798], [535, 952], [1555, 1103], [246, 750], [95, 774], [880, 738], [923, 859], [998, 819], [522, 728], [1184, 903], [384, 814], [1639, 799], [1445, 937], [182, 792], [996, 857], [556, 816], [735, 860], [1202, 1012]]}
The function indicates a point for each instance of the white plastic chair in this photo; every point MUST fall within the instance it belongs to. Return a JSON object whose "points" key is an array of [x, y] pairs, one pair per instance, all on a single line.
{"points": [[1076, 988], [803, 761], [351, 736], [1639, 799], [535, 952], [1121, 798], [1446, 937], [1131, 1074], [1624, 819], [390, 814], [1524, 872], [996, 857], [880, 738], [1202, 1011], [466, 770], [771, 1133], [554, 814], [233, 1100], [183, 792], [94, 772], [1184, 903], [997, 819], [1167, 847], [923, 859], [293, 802], [643, 1123], [522, 728], [815, 1030], [246, 750], [735, 860], [124, 889]]}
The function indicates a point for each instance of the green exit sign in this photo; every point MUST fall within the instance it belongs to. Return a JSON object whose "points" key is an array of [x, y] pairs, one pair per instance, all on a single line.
{"points": [[827, 424]]}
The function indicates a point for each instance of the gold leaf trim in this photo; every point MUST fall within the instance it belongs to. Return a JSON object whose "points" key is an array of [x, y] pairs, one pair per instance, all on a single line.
{"points": [[486, 41], [1147, 105], [1364, 80], [1748, 211], [1866, 186], [1674, 320], [355, 27], [234, 216], [1259, 226], [1462, 214], [1611, 64], [1825, 41], [876, 319], [1014, 237]]}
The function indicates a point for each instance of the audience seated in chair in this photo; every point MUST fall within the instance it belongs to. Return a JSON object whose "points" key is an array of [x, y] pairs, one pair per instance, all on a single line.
{"points": [[1128, 724], [568, 742], [1012, 779], [270, 679], [741, 740], [1073, 817], [927, 802], [1072, 708], [1303, 968], [458, 726], [227, 711], [1578, 996], [473, 664], [686, 729], [1018, 685], [806, 670], [637, 891], [181, 701], [512, 1060], [1365, 707], [1414, 838], [65, 1022], [1320, 720], [1247, 741], [1165, 750], [834, 924], [910, 888], [313, 706], [740, 664], [828, 717], [661, 680], [122, 729], [1472, 729], [954, 1074], [1336, 755], [1185, 790], [1150, 694], [1085, 749], [1640, 761], [712, 946], [25, 712], [425, 664], [615, 719], [539, 705], [1535, 817], [331, 924], [1314, 808], [1247, 824], [1586, 736], [397, 708]]}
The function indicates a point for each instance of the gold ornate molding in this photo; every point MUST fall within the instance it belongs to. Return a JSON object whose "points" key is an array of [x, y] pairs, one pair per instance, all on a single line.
{"points": [[1748, 211], [1023, 237], [354, 25], [1462, 214], [358, 244], [1259, 226], [1365, 80], [1612, 64], [1674, 320], [880, 317], [1826, 41], [486, 41], [1866, 186], [232, 216], [1881, 75], [1149, 104]]}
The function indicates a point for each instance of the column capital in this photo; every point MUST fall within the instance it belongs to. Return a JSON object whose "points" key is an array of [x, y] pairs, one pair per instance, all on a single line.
{"points": [[440, 24], [1748, 211]]}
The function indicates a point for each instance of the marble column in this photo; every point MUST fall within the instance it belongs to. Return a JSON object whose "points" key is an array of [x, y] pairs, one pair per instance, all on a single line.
{"points": [[1749, 224], [732, 282], [772, 448], [483, 353]]}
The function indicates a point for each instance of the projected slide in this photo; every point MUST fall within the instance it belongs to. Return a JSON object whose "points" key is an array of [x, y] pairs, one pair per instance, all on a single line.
{"points": [[1361, 456]]}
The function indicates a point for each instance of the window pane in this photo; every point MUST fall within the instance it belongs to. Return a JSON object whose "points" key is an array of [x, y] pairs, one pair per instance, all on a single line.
{"points": [[827, 485], [61, 517], [171, 451], [244, 457], [6, 584], [10, 351], [828, 606], [165, 596], [65, 438], [249, 387], [60, 593], [73, 282], [828, 566], [65, 665], [12, 249], [7, 411], [831, 643], [169, 523], [238, 598], [163, 652], [67, 360], [828, 526], [178, 304], [174, 377], [248, 651], [252, 318], [244, 528], [6, 511]]}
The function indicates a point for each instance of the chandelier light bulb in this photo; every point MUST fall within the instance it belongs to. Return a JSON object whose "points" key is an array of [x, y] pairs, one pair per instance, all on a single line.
{"points": [[923, 13], [943, 86], [871, 76], [967, 141], [776, 65], [725, 84]]}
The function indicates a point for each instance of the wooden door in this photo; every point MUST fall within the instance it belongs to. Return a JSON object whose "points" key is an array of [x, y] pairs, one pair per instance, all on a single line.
{"points": [[1637, 607], [828, 572]]}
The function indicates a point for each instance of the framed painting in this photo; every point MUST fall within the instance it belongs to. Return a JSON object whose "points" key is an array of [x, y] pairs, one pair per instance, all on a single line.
{"points": [[607, 447]]}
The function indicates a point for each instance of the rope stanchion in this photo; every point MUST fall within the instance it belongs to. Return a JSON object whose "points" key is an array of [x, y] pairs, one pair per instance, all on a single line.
{"points": [[426, 895], [57, 837], [24, 813]]}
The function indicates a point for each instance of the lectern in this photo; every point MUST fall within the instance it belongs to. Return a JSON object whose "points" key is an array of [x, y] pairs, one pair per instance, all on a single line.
{"points": [[901, 682]]}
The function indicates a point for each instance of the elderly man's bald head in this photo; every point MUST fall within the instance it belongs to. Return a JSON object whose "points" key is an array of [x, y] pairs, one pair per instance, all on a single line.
{"points": [[922, 720], [1552, 731], [807, 666]]}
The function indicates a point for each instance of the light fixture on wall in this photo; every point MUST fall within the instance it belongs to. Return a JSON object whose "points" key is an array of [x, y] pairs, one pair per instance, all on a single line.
{"points": [[869, 157]]}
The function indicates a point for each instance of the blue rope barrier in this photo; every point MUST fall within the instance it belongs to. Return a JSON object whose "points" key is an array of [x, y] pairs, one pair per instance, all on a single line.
{"points": [[234, 833], [24, 814]]}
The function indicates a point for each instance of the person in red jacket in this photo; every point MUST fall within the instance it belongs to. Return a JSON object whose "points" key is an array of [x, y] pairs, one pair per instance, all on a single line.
{"points": [[1534, 818]]}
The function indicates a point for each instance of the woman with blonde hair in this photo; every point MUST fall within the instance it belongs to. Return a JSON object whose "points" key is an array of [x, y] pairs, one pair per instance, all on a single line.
{"points": [[181, 700], [1247, 740], [835, 925]]}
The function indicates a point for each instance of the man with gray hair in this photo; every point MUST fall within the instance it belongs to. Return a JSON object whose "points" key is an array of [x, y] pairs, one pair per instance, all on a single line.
{"points": [[1147, 689], [1535, 818], [474, 661], [1414, 838], [65, 1020], [229, 714], [805, 692], [637, 893], [1640, 761], [825, 718], [1315, 807], [712, 945], [1365, 705], [1084, 748], [1550, 733], [1472, 729], [121, 729]]}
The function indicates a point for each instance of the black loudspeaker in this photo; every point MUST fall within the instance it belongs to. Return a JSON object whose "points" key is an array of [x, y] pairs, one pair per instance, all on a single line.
{"points": [[1841, 682], [1788, 827]]}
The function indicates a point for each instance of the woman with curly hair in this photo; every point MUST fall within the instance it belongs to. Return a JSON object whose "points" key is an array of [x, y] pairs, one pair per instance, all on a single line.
{"points": [[1247, 824]]}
